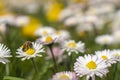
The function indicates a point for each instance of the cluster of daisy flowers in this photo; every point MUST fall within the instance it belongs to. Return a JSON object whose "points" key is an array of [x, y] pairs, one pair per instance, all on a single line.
{"points": [[87, 65], [57, 42], [90, 66], [47, 36]]}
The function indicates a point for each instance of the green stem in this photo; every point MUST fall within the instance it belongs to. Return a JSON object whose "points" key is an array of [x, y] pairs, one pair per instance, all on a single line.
{"points": [[105, 46], [7, 69], [92, 78], [115, 71], [71, 61], [94, 29], [53, 57], [34, 65]]}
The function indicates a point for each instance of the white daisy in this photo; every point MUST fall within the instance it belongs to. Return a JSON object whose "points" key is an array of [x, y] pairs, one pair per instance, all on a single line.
{"points": [[21, 20], [71, 46], [104, 40], [84, 27], [30, 50], [7, 19], [70, 11], [4, 53], [48, 39], [66, 75], [107, 56], [71, 21], [62, 35], [116, 36], [116, 54], [89, 66], [43, 31]]}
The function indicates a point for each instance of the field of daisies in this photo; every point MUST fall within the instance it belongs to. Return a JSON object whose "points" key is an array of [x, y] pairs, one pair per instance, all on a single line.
{"points": [[59, 39]]}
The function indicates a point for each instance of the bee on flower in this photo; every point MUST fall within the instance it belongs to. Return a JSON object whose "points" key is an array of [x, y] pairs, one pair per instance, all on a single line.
{"points": [[71, 46], [30, 50], [89, 66], [4, 54], [65, 75]]}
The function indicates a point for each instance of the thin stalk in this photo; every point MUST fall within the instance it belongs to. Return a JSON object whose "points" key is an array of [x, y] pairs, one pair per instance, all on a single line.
{"points": [[34, 65], [71, 61], [115, 71], [7, 69], [53, 57], [90, 78], [105, 46], [94, 29], [93, 77]]}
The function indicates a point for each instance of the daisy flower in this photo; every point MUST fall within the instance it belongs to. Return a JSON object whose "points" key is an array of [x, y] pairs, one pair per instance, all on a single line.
{"points": [[104, 40], [66, 75], [30, 50], [71, 46], [4, 53], [22, 20], [62, 35], [71, 21], [43, 31], [48, 39], [107, 56], [116, 54], [89, 66], [116, 36]]}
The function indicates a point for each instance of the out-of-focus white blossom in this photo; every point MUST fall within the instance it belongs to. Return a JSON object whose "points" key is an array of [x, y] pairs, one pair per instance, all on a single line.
{"points": [[43, 31], [104, 40], [21, 20]]}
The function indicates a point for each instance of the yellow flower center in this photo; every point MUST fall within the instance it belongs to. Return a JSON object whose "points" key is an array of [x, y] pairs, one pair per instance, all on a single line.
{"points": [[30, 51], [64, 77], [104, 57], [58, 32], [72, 44], [91, 65], [45, 32], [117, 54], [82, 33], [106, 40], [48, 39]]}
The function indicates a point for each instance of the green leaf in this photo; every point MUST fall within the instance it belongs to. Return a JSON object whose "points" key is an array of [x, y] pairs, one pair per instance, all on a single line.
{"points": [[12, 78]]}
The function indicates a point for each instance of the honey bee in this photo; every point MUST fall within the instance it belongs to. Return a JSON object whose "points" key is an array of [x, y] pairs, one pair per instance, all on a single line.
{"points": [[27, 45]]}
